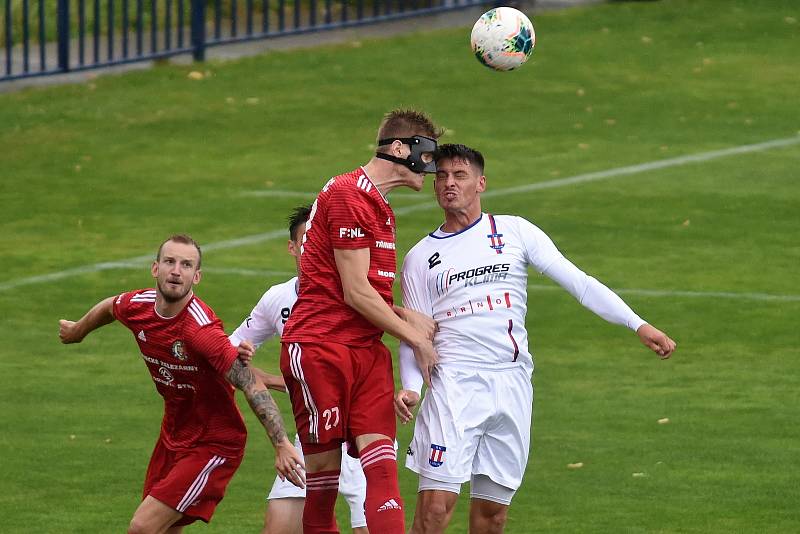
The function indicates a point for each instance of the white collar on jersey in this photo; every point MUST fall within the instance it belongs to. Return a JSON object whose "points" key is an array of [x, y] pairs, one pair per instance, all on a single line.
{"points": [[441, 234]]}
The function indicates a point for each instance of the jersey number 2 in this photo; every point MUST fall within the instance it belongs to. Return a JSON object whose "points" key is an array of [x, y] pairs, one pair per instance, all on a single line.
{"points": [[328, 414]]}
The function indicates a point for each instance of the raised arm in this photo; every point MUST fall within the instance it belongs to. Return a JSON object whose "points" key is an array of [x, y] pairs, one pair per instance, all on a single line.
{"points": [[288, 461], [602, 301], [101, 314], [353, 267]]}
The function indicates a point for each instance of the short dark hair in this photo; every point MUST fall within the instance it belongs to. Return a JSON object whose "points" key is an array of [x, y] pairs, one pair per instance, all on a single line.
{"points": [[184, 239], [407, 123], [298, 218], [462, 152]]}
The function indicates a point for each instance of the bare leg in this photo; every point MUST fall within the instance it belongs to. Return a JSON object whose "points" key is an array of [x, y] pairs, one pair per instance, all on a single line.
{"points": [[487, 517], [153, 517], [284, 516], [434, 511]]}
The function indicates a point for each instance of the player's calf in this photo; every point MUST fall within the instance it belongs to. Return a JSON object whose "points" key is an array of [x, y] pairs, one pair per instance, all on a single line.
{"points": [[383, 505]]}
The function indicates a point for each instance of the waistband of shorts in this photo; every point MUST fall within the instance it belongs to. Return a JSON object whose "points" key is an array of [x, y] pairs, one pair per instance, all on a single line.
{"points": [[490, 367]]}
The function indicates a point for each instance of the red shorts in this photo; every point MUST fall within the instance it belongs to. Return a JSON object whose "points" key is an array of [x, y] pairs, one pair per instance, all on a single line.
{"points": [[191, 482], [339, 392]]}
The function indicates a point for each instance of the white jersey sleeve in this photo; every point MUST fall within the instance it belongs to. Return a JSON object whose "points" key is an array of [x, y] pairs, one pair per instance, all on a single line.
{"points": [[415, 297], [267, 318], [587, 290]]}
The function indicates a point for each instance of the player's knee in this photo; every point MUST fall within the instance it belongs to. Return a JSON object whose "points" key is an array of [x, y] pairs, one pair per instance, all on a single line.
{"points": [[137, 526], [434, 516], [495, 522]]}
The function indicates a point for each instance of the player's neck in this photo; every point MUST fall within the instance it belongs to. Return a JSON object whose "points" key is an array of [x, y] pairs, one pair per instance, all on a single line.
{"points": [[457, 220], [167, 309], [382, 174]]}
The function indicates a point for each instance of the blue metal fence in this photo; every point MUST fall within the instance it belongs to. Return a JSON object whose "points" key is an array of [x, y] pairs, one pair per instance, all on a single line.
{"points": [[43, 37]]}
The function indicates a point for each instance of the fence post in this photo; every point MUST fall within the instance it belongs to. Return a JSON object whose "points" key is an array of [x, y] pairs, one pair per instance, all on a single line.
{"points": [[62, 26], [199, 30]]}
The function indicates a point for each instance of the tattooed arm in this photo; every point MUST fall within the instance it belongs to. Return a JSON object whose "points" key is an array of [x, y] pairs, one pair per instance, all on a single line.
{"points": [[288, 461]]}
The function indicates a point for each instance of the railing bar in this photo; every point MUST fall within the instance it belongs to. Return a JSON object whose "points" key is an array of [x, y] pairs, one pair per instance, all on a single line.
{"points": [[125, 28], [360, 10], [25, 36], [249, 17], [81, 32], [234, 18], [344, 10], [96, 28], [312, 13], [217, 19], [296, 14], [281, 15], [153, 26], [139, 27], [42, 37], [328, 12], [265, 16], [180, 23], [9, 36], [110, 30], [168, 25]]}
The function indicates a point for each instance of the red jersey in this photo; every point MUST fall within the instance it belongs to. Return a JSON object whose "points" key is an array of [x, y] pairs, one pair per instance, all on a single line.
{"points": [[349, 213], [188, 356]]}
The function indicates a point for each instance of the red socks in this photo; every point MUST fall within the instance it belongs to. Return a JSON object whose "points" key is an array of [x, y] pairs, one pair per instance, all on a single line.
{"points": [[383, 506], [318, 512]]}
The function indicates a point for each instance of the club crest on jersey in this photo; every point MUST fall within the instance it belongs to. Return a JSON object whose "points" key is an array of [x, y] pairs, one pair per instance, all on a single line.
{"points": [[437, 455], [495, 238], [179, 351]]}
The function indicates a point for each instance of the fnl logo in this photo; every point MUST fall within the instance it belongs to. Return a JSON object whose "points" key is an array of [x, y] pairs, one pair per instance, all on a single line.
{"points": [[437, 455]]}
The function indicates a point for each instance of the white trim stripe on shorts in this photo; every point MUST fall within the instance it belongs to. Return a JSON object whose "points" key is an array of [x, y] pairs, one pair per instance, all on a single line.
{"points": [[295, 354], [199, 483]]}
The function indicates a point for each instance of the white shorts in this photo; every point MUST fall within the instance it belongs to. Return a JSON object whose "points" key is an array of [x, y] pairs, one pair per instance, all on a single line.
{"points": [[474, 421], [352, 486]]}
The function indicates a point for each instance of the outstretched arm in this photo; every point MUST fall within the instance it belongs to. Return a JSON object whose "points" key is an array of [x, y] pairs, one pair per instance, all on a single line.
{"points": [[275, 382], [601, 300], [288, 461], [101, 314]]}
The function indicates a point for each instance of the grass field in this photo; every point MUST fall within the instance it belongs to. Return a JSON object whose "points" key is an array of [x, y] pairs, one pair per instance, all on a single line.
{"points": [[706, 250]]}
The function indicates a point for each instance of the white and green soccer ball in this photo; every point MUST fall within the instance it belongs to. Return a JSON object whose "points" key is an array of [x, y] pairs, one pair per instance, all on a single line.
{"points": [[503, 38]]}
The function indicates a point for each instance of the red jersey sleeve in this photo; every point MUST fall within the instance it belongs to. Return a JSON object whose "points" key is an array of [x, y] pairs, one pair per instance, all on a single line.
{"points": [[351, 216], [210, 342], [120, 307]]}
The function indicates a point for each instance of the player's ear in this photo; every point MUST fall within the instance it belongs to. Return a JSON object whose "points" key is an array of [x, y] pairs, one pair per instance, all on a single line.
{"points": [[481, 184], [154, 269], [198, 274], [397, 148], [292, 248]]}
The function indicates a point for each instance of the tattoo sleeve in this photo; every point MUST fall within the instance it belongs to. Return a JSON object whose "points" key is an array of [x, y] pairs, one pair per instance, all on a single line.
{"points": [[261, 402]]}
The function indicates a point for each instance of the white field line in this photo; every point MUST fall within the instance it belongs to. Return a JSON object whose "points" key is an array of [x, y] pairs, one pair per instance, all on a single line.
{"points": [[580, 178], [687, 294], [284, 193], [539, 287]]}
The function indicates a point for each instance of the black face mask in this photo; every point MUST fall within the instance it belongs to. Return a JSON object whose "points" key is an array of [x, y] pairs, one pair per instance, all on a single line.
{"points": [[419, 145]]}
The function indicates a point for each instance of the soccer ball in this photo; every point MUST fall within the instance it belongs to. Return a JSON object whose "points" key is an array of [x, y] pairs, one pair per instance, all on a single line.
{"points": [[503, 38]]}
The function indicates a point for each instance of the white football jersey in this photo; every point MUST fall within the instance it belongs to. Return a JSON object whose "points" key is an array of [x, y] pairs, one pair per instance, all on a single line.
{"points": [[474, 285], [269, 315]]}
